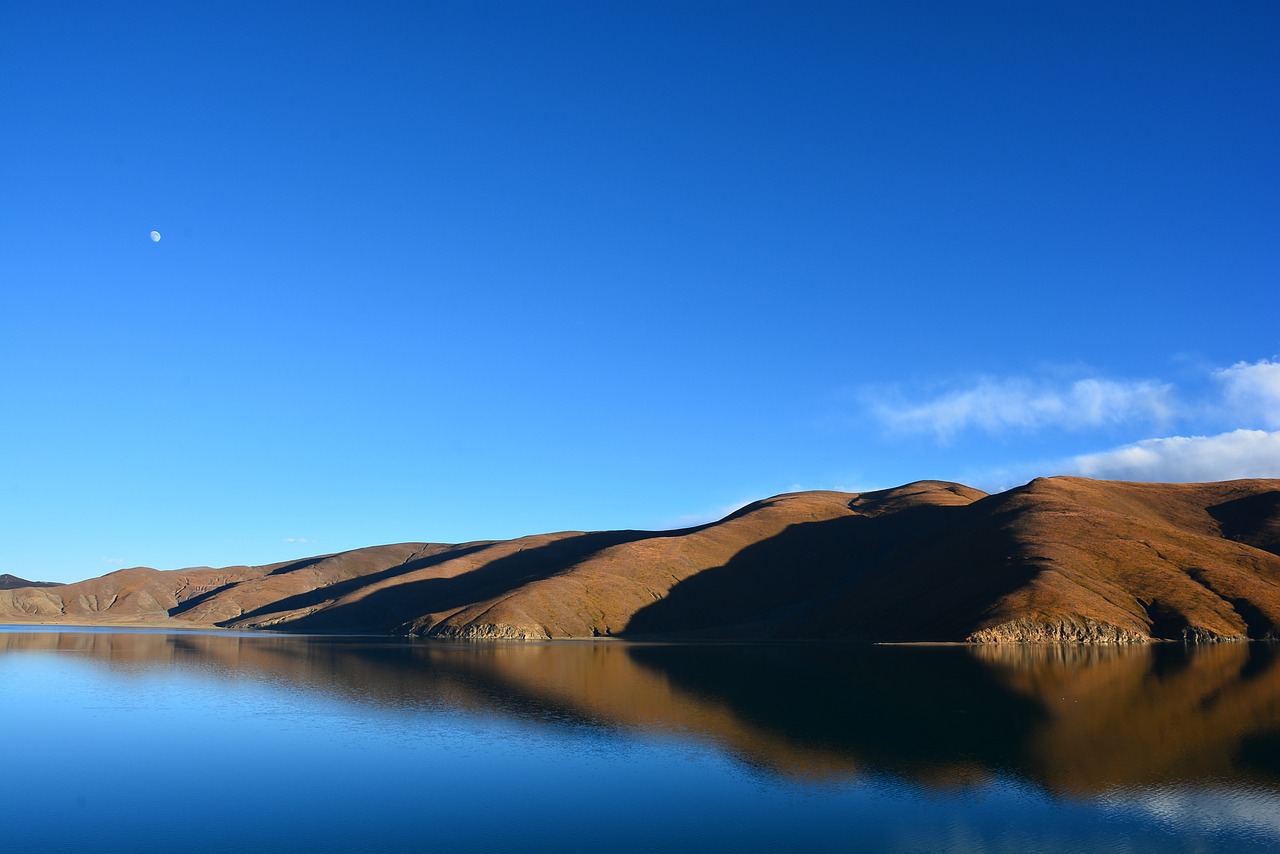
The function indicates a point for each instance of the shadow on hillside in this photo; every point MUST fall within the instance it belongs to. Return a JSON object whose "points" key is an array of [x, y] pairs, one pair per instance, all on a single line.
{"points": [[302, 599], [1253, 520], [187, 604], [295, 565], [829, 579], [768, 581], [392, 607], [335, 591]]}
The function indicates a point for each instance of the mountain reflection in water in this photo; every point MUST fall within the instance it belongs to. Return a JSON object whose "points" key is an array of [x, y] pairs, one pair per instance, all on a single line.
{"points": [[1078, 722]]}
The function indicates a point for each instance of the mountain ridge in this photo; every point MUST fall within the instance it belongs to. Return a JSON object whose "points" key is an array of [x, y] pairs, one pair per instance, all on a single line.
{"points": [[1059, 559], [10, 582]]}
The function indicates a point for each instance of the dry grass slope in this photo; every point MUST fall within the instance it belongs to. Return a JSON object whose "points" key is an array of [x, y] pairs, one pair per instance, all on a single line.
{"points": [[1060, 559]]}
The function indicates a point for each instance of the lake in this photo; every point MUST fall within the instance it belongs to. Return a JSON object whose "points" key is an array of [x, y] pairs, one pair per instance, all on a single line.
{"points": [[146, 741]]}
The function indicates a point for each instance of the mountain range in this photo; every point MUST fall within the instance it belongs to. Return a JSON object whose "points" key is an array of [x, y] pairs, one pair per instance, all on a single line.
{"points": [[8, 582], [1059, 559]]}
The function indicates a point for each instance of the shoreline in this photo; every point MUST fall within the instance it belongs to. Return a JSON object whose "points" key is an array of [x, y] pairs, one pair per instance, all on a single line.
{"points": [[162, 626]]}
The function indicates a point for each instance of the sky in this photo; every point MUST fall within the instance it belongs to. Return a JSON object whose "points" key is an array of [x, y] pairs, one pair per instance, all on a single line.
{"points": [[456, 271]]}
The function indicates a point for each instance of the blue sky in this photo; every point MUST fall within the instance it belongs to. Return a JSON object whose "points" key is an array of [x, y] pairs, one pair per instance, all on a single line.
{"points": [[457, 271]]}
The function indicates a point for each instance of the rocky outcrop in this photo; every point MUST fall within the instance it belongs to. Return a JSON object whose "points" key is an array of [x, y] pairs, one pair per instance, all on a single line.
{"points": [[1086, 631], [487, 632], [1073, 630], [1198, 634]]}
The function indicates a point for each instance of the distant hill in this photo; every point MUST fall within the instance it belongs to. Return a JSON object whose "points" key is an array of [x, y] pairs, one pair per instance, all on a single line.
{"points": [[1059, 559], [8, 582]]}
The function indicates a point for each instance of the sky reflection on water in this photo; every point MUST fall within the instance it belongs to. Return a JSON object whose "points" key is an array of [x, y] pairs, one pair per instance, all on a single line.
{"points": [[129, 741]]}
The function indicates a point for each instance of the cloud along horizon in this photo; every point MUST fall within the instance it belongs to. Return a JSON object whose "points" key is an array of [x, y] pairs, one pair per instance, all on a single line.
{"points": [[1188, 459], [1248, 400]]}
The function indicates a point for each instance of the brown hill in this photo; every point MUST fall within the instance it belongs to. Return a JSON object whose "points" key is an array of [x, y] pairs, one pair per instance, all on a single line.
{"points": [[1060, 559]]}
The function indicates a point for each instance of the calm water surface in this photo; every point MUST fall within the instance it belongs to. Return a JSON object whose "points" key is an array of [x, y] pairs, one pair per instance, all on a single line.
{"points": [[152, 741]]}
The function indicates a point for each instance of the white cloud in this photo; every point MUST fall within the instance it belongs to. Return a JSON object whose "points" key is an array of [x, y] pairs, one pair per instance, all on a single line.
{"points": [[114, 561], [1188, 459], [1247, 397], [1252, 391], [1018, 404], [295, 539]]}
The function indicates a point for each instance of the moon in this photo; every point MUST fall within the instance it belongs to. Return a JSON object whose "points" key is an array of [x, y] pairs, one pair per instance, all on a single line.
{"points": [[155, 237]]}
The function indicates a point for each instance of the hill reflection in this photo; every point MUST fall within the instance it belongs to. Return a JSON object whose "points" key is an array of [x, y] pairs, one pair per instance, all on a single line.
{"points": [[1076, 721]]}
